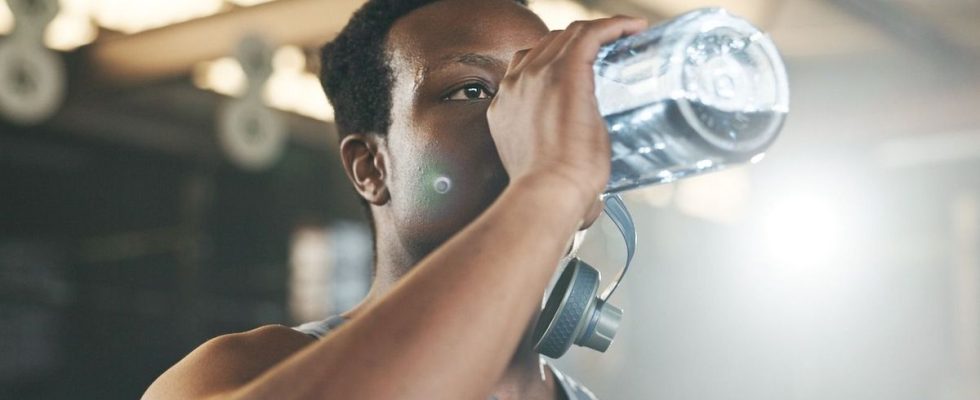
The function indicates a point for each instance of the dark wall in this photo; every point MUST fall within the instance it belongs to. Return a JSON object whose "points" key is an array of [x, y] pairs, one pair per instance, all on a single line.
{"points": [[115, 262]]}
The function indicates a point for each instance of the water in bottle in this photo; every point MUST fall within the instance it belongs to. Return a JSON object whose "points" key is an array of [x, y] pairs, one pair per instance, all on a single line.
{"points": [[696, 94]]}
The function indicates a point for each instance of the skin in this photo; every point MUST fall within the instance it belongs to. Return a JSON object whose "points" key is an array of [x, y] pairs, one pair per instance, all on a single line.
{"points": [[437, 130], [518, 135]]}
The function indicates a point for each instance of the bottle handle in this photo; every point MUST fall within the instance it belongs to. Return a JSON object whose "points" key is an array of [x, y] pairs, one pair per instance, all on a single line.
{"points": [[615, 208]]}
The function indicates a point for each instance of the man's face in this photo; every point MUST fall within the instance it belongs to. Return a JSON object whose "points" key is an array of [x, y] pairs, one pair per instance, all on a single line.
{"points": [[448, 58]]}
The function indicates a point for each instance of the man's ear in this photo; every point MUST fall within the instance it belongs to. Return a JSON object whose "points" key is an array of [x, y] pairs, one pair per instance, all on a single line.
{"points": [[365, 162]]}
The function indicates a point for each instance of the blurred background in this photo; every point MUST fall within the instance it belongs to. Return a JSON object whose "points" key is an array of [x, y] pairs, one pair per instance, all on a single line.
{"points": [[168, 173]]}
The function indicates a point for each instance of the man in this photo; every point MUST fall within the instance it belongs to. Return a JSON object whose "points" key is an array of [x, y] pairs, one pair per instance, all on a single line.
{"points": [[473, 136]]}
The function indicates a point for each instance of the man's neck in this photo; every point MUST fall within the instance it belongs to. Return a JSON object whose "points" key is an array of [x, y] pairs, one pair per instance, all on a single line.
{"points": [[525, 372], [525, 376]]}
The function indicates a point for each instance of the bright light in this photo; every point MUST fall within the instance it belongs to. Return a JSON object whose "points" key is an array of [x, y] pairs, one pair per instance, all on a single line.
{"points": [[289, 58], [76, 6], [223, 75], [329, 269], [75, 24], [71, 28], [804, 232], [298, 92], [721, 196], [69, 31], [247, 3], [6, 18], [291, 87], [557, 14], [310, 265], [130, 16]]}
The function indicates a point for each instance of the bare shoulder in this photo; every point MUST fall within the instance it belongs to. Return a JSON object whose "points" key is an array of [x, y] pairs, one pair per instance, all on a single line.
{"points": [[227, 362]]}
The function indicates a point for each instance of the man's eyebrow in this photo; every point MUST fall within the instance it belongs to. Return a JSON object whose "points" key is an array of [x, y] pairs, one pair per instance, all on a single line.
{"points": [[474, 59]]}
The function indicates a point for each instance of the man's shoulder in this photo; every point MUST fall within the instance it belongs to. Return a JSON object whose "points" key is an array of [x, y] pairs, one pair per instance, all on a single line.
{"points": [[270, 337], [228, 361], [252, 352]]}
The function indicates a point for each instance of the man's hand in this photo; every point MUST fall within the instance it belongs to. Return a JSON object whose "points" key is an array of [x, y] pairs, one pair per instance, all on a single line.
{"points": [[544, 118]]}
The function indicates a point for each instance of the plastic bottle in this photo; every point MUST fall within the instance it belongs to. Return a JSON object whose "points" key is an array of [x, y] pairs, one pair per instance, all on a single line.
{"points": [[695, 94]]}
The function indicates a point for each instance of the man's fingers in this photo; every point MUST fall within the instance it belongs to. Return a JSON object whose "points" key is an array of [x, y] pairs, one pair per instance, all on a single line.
{"points": [[549, 50], [585, 37], [517, 58], [523, 57], [593, 214], [582, 39]]}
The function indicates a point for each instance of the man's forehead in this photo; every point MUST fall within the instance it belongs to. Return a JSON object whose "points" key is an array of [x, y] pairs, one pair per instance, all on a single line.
{"points": [[477, 32], [487, 61]]}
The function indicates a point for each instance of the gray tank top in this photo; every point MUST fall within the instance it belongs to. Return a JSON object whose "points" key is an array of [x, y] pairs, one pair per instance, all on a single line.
{"points": [[573, 390]]}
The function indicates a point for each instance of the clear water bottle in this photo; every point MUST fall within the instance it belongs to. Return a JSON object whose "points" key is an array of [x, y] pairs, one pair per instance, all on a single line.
{"points": [[698, 93]]}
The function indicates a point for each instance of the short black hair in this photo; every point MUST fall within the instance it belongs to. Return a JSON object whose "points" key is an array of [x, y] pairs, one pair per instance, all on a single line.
{"points": [[354, 70]]}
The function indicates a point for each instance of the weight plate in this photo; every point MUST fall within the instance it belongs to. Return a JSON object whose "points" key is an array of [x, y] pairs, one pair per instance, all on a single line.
{"points": [[252, 135], [32, 83]]}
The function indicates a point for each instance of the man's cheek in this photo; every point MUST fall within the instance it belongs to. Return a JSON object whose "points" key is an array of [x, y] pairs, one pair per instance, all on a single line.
{"points": [[431, 191], [444, 187], [436, 184], [450, 191]]}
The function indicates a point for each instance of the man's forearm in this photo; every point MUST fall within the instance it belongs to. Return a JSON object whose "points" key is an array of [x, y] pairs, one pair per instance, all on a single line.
{"points": [[449, 327]]}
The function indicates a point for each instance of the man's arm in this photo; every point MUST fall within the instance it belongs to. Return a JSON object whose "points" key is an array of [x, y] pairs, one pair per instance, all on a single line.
{"points": [[449, 327], [419, 340]]}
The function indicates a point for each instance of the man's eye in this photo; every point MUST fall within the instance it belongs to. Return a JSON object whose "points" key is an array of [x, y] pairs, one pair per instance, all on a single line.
{"points": [[472, 91]]}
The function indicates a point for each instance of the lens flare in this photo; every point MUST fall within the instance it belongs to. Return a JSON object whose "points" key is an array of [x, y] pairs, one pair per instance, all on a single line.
{"points": [[442, 185]]}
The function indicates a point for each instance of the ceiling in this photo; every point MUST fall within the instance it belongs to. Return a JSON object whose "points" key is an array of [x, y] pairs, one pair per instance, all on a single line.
{"points": [[160, 47]]}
